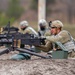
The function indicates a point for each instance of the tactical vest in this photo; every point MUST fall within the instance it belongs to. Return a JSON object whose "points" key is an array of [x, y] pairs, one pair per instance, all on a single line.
{"points": [[70, 45]]}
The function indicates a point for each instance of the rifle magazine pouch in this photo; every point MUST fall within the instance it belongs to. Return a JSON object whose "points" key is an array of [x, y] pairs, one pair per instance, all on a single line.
{"points": [[21, 56], [60, 54]]}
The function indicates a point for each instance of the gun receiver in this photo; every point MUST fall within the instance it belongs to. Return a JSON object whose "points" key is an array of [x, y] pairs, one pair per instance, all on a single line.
{"points": [[27, 39]]}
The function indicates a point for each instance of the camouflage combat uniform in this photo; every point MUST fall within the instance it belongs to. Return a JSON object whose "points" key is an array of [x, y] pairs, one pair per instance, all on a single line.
{"points": [[65, 38], [29, 30]]}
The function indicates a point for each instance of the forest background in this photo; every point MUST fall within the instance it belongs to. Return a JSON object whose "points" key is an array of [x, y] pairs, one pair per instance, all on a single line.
{"points": [[18, 10]]}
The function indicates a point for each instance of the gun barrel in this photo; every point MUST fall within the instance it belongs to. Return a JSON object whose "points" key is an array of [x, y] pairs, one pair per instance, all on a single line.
{"points": [[6, 41], [32, 53]]}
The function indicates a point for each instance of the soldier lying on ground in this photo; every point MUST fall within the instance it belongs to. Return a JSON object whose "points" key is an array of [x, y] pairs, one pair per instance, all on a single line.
{"points": [[24, 28], [59, 35]]}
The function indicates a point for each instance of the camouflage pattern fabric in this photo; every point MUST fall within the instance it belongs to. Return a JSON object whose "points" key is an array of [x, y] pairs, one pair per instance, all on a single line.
{"points": [[62, 37]]}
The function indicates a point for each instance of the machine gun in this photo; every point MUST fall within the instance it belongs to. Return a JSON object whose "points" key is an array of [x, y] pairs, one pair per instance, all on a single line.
{"points": [[6, 32], [18, 38], [27, 39]]}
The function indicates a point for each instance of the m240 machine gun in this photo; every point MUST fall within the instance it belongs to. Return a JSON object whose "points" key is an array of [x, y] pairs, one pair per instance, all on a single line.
{"points": [[18, 38], [11, 34], [27, 39]]}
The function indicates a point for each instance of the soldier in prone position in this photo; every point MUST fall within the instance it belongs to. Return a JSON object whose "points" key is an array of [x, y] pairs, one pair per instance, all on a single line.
{"points": [[59, 35], [24, 28]]}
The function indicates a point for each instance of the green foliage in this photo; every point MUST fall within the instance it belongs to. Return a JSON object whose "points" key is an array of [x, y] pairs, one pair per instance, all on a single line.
{"points": [[14, 10], [4, 19]]}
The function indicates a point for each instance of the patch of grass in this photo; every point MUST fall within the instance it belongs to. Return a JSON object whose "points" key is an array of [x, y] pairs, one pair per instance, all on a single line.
{"points": [[70, 28]]}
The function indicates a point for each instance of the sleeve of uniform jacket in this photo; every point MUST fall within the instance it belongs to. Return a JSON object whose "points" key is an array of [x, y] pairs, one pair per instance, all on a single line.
{"points": [[46, 47], [62, 37]]}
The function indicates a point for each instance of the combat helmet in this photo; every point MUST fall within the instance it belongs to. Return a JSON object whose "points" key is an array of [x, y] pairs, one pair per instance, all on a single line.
{"points": [[43, 22], [24, 23], [57, 24]]}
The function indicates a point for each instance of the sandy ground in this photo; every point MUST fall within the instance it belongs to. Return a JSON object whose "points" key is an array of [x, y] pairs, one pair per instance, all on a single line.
{"points": [[36, 66]]}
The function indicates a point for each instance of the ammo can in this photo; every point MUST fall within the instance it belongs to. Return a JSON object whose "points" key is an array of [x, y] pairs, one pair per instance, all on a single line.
{"points": [[62, 54]]}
